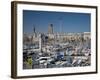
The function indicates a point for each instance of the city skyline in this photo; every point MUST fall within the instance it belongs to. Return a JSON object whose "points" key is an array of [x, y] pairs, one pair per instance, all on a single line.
{"points": [[62, 21]]}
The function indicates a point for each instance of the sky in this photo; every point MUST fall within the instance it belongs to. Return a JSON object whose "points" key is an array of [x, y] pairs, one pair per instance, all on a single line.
{"points": [[62, 21]]}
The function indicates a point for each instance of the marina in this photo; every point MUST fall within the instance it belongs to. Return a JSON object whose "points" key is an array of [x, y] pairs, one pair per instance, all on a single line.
{"points": [[48, 55]]}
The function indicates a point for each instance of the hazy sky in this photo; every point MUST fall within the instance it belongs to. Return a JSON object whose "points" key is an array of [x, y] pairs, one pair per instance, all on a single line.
{"points": [[62, 21]]}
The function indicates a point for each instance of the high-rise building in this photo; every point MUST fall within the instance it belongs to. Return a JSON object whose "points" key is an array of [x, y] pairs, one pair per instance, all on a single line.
{"points": [[34, 29], [34, 32], [50, 29]]}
